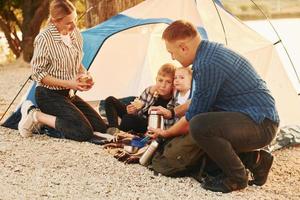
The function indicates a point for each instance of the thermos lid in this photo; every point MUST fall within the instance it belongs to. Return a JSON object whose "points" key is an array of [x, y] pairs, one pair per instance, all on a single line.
{"points": [[153, 112]]}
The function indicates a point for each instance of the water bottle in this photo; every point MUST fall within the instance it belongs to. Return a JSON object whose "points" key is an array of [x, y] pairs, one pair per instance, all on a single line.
{"points": [[146, 157]]}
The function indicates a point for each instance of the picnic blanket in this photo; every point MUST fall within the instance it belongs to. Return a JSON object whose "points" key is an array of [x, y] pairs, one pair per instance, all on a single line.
{"points": [[287, 136], [121, 147]]}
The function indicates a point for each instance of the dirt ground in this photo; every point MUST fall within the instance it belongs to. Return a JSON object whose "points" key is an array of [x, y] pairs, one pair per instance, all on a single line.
{"points": [[41, 167]]}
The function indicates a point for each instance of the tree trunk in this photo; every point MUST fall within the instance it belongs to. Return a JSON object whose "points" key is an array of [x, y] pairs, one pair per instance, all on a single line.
{"points": [[33, 14], [11, 37], [105, 9], [92, 16], [33, 18]]}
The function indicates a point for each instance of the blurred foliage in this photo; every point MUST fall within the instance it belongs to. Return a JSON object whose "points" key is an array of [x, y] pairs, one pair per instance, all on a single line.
{"points": [[245, 9], [21, 20], [80, 8], [105, 9]]}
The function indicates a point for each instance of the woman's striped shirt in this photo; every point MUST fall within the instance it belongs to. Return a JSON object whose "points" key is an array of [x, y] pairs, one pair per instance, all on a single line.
{"points": [[53, 57]]}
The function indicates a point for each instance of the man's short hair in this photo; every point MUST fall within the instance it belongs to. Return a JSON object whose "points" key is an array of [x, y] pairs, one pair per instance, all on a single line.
{"points": [[167, 69], [179, 30]]}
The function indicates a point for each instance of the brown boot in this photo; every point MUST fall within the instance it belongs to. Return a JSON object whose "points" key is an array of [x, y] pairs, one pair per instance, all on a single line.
{"points": [[225, 184], [260, 170]]}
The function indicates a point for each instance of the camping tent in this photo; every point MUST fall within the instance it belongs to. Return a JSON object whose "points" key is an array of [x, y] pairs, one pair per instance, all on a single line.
{"points": [[124, 53]]}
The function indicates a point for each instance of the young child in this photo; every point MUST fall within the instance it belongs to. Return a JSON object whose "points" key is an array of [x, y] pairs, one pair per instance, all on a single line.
{"points": [[134, 117], [182, 84]]}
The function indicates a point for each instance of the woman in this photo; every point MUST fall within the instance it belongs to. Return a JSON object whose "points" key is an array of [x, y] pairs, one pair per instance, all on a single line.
{"points": [[58, 71]]}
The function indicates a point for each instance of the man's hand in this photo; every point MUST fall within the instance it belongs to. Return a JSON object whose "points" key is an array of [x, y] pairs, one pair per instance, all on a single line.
{"points": [[179, 128], [167, 114], [154, 133]]}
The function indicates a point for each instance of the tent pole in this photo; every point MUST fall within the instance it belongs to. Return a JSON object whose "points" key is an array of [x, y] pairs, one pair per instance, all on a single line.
{"points": [[223, 27], [15, 97], [279, 40]]}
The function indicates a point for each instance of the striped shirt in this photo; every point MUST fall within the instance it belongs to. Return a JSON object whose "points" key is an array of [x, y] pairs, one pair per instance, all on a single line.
{"points": [[226, 81], [55, 58]]}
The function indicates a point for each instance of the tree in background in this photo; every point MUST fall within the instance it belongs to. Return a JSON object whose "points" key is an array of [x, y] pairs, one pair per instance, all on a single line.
{"points": [[104, 9], [25, 16]]}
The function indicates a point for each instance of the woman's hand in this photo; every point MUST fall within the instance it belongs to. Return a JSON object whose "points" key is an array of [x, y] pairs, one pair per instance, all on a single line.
{"points": [[84, 82], [131, 109]]}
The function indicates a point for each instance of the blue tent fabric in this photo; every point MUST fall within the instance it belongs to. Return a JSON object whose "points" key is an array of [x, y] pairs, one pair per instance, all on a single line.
{"points": [[219, 3], [94, 38], [13, 120]]}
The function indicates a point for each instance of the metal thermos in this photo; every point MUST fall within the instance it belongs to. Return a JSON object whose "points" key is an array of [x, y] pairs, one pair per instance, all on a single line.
{"points": [[146, 157], [155, 120]]}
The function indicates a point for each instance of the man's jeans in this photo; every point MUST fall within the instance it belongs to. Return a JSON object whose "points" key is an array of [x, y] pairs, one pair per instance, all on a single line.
{"points": [[76, 119], [222, 135]]}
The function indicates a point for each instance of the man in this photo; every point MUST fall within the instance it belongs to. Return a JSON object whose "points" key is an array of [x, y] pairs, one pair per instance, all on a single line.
{"points": [[231, 111]]}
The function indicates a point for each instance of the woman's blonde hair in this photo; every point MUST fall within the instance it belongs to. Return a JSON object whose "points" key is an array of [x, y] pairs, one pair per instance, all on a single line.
{"points": [[60, 9]]}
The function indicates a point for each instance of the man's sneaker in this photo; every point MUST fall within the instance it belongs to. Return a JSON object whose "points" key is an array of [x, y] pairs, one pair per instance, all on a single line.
{"points": [[260, 170], [27, 124]]}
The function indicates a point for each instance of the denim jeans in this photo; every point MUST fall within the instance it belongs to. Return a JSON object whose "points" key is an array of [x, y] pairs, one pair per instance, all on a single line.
{"points": [[114, 108], [134, 123], [75, 118], [222, 135]]}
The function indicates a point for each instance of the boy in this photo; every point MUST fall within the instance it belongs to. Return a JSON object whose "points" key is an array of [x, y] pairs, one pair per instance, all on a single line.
{"points": [[134, 117]]}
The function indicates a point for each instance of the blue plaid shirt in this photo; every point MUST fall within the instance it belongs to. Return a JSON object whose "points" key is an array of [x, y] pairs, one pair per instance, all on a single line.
{"points": [[226, 81]]}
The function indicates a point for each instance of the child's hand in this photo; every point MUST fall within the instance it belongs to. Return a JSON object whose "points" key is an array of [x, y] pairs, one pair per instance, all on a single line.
{"points": [[131, 109], [137, 103], [154, 90]]}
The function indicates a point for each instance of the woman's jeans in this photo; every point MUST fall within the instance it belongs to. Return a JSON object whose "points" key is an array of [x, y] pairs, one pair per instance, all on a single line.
{"points": [[75, 118], [222, 135]]}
